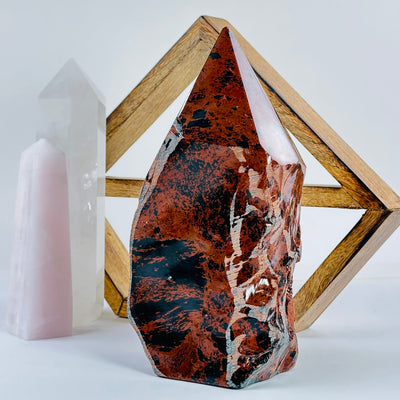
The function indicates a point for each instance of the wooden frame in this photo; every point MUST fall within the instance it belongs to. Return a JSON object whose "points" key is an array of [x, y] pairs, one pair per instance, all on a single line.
{"points": [[360, 187]]}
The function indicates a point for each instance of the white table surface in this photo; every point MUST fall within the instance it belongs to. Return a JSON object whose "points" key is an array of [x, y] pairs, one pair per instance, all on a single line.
{"points": [[351, 352], [341, 56]]}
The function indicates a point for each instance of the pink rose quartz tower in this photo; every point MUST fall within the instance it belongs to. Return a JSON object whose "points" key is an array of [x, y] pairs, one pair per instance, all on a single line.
{"points": [[40, 293]]}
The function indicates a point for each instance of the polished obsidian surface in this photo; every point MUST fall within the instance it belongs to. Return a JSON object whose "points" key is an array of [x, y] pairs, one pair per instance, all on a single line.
{"points": [[216, 234]]}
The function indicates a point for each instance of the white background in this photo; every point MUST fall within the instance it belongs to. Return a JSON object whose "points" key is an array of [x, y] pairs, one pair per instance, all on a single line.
{"points": [[341, 56]]}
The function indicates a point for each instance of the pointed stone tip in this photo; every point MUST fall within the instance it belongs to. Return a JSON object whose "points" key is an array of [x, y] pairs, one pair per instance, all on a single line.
{"points": [[39, 153], [228, 86], [225, 30], [70, 71], [224, 41], [225, 34], [272, 135], [45, 145], [71, 62], [70, 75]]}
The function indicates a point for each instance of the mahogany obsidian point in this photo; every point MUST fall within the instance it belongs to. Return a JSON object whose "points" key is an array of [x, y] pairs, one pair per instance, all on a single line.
{"points": [[216, 234]]}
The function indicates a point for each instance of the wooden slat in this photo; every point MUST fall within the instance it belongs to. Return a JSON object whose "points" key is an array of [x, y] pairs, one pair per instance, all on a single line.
{"points": [[117, 269], [361, 187], [362, 183], [313, 195], [112, 295], [339, 170], [327, 196], [151, 97], [182, 64], [342, 264], [123, 187], [123, 312]]}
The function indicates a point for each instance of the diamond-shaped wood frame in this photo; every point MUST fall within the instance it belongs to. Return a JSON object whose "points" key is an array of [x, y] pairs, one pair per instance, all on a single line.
{"points": [[360, 187]]}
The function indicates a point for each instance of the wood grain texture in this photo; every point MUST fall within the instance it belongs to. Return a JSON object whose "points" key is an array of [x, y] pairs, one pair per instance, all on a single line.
{"points": [[117, 270], [182, 64], [112, 295], [123, 312], [328, 159], [123, 187], [327, 196], [342, 264], [151, 97], [313, 195], [361, 187], [362, 183]]}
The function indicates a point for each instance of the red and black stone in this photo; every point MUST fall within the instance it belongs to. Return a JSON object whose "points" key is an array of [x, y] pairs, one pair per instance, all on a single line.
{"points": [[216, 234]]}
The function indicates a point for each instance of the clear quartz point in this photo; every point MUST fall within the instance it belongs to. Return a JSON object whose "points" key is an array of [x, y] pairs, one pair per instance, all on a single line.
{"points": [[73, 118]]}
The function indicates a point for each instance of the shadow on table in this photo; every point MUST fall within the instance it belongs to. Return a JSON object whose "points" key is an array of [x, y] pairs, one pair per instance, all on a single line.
{"points": [[114, 340], [325, 360]]}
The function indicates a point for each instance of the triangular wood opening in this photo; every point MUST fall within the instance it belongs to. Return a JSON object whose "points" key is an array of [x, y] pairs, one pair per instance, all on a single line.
{"points": [[360, 187]]}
